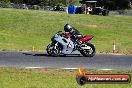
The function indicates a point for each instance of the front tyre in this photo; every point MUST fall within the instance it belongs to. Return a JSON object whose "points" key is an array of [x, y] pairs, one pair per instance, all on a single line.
{"points": [[49, 49], [88, 52], [52, 51]]}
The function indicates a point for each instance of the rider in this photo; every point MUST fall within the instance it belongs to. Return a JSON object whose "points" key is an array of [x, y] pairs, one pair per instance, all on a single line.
{"points": [[74, 32]]}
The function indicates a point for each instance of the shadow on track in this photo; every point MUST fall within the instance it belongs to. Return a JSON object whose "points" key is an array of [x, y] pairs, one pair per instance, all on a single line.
{"points": [[36, 54], [46, 55]]}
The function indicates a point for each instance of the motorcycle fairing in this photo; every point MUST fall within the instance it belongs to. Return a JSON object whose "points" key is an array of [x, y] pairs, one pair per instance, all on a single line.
{"points": [[67, 44], [86, 38], [68, 35]]}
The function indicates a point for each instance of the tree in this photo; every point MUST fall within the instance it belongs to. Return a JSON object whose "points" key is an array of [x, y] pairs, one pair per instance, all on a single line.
{"points": [[123, 4], [4, 1], [17, 1], [113, 4]]}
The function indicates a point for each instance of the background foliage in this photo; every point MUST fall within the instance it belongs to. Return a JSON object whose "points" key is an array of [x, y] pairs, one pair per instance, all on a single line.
{"points": [[109, 4]]}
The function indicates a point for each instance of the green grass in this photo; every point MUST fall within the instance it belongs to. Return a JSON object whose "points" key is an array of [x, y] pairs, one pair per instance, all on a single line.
{"points": [[21, 29], [49, 78]]}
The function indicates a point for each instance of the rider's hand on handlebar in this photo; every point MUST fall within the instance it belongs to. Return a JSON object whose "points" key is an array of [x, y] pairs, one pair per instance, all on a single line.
{"points": [[63, 34]]}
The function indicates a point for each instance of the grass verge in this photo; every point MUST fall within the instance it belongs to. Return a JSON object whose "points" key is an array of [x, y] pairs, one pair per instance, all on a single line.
{"points": [[50, 78], [21, 29]]}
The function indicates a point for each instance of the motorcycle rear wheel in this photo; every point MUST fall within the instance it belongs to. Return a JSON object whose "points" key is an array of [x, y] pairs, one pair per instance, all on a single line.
{"points": [[88, 52]]}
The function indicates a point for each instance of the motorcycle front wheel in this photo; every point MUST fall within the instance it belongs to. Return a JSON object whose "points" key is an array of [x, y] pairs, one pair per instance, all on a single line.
{"points": [[52, 51], [88, 52]]}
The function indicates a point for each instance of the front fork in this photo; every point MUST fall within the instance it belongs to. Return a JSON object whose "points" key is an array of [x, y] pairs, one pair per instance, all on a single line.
{"points": [[56, 44]]}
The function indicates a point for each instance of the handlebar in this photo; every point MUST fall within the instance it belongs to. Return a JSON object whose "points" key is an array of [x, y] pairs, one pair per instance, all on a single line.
{"points": [[59, 31], [61, 34]]}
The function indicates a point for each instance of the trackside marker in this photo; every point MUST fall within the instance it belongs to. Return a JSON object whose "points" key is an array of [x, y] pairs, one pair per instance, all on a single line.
{"points": [[114, 47], [33, 49]]}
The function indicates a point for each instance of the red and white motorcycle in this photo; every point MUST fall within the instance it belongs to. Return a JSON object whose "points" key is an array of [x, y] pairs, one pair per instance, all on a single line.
{"points": [[62, 44]]}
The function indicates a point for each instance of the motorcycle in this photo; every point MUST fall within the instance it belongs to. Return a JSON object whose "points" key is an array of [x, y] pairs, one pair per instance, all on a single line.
{"points": [[62, 44]]}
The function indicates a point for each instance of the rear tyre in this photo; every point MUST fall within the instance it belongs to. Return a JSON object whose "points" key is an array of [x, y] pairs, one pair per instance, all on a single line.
{"points": [[88, 52]]}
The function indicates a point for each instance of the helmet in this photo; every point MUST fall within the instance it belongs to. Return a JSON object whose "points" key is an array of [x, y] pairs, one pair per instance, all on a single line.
{"points": [[67, 28]]}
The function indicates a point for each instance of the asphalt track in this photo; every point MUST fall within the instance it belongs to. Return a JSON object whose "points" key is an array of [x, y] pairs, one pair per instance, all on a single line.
{"points": [[42, 60]]}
